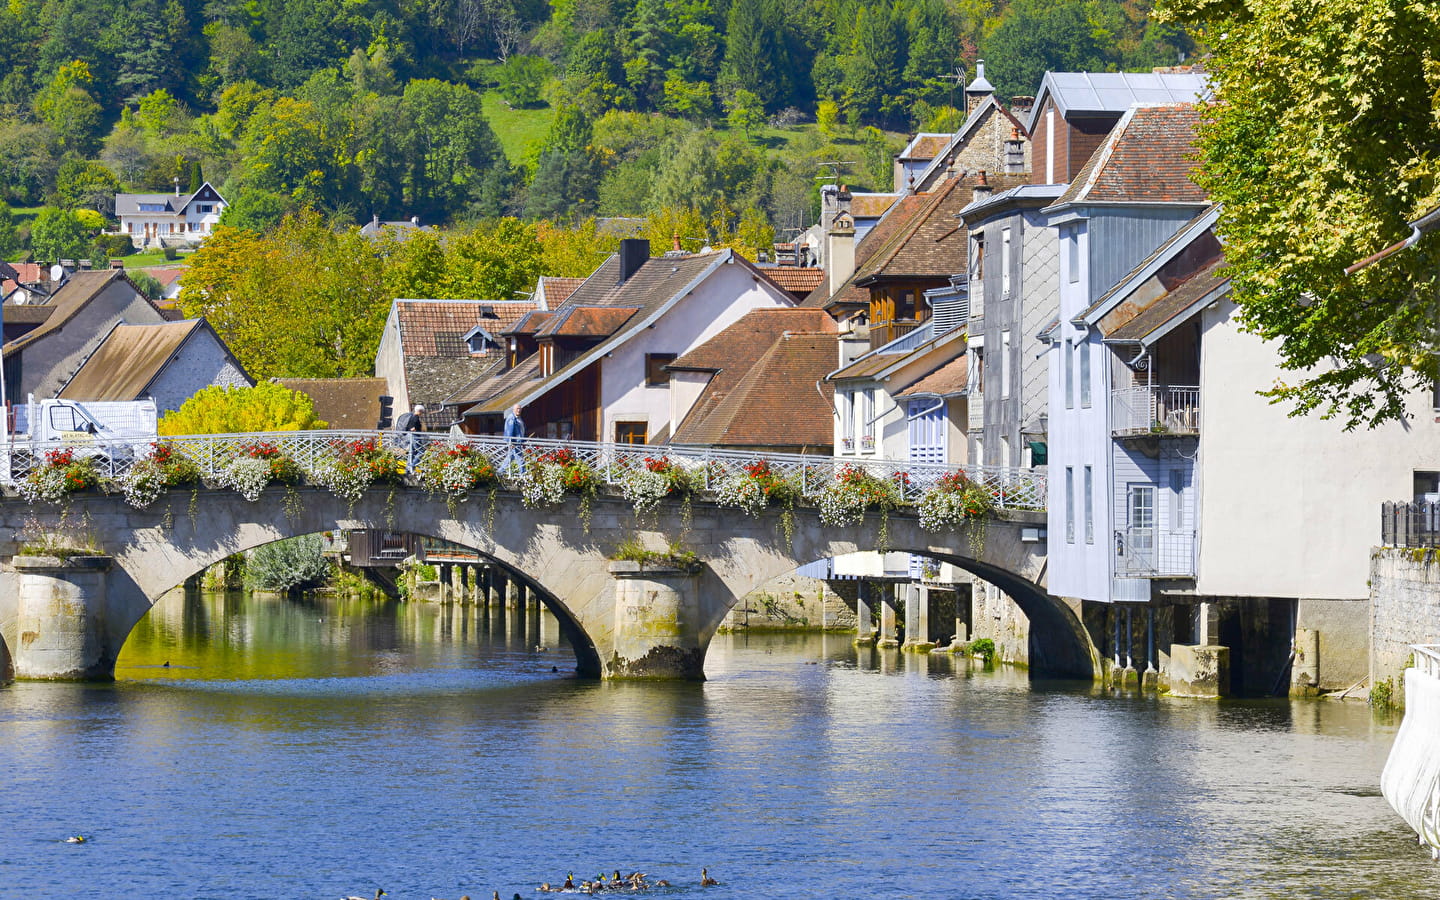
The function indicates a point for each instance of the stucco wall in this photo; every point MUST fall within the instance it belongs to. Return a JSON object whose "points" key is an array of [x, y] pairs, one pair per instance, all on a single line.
{"points": [[729, 293], [388, 364], [53, 359], [1290, 507], [201, 362], [1404, 609]]}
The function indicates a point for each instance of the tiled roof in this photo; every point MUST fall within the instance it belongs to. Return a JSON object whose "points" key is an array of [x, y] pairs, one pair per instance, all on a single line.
{"points": [[736, 348], [493, 383], [1161, 310], [586, 321], [530, 323], [925, 146], [27, 314], [128, 360], [1147, 158], [75, 295], [343, 403], [931, 242], [438, 327], [799, 280], [431, 380], [558, 290], [870, 206], [773, 403], [167, 275], [874, 239], [946, 381]]}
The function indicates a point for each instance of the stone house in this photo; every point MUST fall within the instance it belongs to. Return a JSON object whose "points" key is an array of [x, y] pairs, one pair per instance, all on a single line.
{"points": [[167, 362]]}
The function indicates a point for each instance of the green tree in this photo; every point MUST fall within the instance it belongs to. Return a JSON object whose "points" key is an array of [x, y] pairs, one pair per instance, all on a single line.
{"points": [[268, 406], [9, 240], [59, 234], [521, 78], [70, 110], [288, 565], [746, 111], [86, 185], [1321, 148], [255, 210], [1037, 36]]}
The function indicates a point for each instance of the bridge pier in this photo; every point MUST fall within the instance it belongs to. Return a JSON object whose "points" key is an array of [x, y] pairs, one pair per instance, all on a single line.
{"points": [[62, 619], [864, 627], [888, 631], [657, 617], [917, 618]]}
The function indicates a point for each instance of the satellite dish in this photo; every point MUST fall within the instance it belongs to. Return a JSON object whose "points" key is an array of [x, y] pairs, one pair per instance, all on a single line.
{"points": [[56, 273]]}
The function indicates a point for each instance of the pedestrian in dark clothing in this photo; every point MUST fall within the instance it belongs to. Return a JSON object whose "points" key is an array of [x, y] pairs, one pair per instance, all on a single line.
{"points": [[410, 425]]}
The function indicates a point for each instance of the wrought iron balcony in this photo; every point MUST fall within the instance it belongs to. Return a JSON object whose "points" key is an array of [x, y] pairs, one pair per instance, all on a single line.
{"points": [[1155, 410], [1154, 553]]}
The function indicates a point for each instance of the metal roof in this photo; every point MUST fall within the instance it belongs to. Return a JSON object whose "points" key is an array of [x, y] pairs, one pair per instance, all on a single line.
{"points": [[1115, 92]]}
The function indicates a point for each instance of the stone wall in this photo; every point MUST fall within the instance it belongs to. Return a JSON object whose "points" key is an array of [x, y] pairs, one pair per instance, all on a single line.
{"points": [[794, 602], [995, 616], [1404, 609]]}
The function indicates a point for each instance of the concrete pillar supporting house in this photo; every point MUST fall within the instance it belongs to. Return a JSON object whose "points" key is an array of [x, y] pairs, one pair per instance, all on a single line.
{"points": [[864, 627], [1150, 678], [1129, 678], [1201, 669], [657, 634], [61, 619], [1207, 624], [963, 595], [442, 576], [513, 593], [1305, 673], [917, 619], [887, 622]]}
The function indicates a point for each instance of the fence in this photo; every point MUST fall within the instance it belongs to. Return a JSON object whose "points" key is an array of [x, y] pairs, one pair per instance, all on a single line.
{"points": [[314, 451], [1410, 524], [1155, 409], [1153, 553]]}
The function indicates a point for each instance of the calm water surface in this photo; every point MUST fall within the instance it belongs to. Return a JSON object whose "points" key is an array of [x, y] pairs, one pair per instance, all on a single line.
{"points": [[323, 748]]}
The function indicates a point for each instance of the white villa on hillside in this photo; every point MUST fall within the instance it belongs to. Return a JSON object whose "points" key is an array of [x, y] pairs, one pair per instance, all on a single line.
{"points": [[155, 220]]}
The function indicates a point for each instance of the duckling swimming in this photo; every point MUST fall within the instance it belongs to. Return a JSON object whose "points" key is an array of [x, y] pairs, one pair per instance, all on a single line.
{"points": [[75, 839], [705, 879]]}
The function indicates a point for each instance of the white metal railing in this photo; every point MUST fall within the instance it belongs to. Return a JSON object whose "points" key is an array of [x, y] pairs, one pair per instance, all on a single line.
{"points": [[1011, 488], [1154, 553], [1155, 409], [1427, 658]]}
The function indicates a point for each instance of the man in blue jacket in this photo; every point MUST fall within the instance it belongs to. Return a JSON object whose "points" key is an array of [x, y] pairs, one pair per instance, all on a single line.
{"points": [[514, 437]]}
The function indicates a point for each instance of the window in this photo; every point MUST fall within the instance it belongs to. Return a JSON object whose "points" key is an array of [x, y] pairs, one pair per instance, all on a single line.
{"points": [[1004, 451], [1072, 254], [655, 372], [152, 207], [1177, 500], [1142, 521], [629, 432], [1050, 145], [847, 420], [1089, 504], [1069, 363], [864, 427], [1070, 504], [203, 207], [1085, 375], [1005, 262], [1005, 364]]}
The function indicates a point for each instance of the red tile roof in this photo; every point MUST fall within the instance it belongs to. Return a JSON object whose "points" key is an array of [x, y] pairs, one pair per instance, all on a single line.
{"points": [[926, 146], [587, 321], [438, 327], [558, 289], [1147, 158], [869, 206], [945, 381], [799, 280]]}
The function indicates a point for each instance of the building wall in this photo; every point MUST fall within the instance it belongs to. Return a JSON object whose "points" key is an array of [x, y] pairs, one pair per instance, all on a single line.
{"points": [[50, 362], [201, 362], [1290, 507], [685, 389], [389, 364], [1404, 610], [1122, 236], [729, 293]]}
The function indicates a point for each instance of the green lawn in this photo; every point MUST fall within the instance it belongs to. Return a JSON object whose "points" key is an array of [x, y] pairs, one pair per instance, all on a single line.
{"points": [[149, 260], [519, 130]]}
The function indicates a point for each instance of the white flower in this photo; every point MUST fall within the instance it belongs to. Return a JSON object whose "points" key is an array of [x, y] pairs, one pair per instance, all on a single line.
{"points": [[940, 509], [44, 483], [144, 483], [742, 492], [346, 483], [542, 484], [246, 475], [645, 489]]}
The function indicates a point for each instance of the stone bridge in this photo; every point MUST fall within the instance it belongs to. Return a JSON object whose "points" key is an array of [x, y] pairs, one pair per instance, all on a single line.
{"points": [[68, 618]]}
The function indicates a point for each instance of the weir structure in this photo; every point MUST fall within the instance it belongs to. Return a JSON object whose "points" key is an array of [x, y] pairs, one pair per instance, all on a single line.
{"points": [[68, 617]]}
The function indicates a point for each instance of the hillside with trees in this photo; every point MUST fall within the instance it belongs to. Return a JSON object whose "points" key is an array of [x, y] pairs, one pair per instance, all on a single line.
{"points": [[717, 109]]}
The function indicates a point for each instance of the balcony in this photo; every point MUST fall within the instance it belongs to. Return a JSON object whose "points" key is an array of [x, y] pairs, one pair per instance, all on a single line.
{"points": [[1154, 553], [1155, 410]]}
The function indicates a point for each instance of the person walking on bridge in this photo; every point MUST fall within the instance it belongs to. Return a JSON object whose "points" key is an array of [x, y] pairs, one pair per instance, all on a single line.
{"points": [[514, 437], [409, 424]]}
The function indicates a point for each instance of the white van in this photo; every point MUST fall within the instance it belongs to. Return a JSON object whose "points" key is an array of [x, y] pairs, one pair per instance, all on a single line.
{"points": [[111, 431]]}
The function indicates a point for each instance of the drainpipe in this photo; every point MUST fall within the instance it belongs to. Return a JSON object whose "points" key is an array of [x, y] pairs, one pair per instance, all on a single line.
{"points": [[1393, 248]]}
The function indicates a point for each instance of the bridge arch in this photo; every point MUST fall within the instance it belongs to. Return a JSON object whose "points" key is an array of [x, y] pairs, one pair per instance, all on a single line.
{"points": [[567, 565]]}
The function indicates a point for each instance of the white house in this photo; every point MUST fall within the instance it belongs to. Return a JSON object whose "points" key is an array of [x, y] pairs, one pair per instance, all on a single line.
{"points": [[154, 220]]}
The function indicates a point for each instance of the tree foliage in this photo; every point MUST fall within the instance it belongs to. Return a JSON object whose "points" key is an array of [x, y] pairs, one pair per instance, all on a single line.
{"points": [[290, 564], [1322, 146], [267, 406]]}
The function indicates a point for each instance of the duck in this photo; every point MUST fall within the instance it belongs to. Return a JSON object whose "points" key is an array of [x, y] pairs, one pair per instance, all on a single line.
{"points": [[569, 884], [705, 879], [660, 882], [378, 894], [545, 887], [75, 839]]}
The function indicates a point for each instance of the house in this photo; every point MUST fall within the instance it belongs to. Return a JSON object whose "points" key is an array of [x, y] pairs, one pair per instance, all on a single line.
{"points": [[428, 348], [1244, 526], [595, 367], [346, 404], [169, 220], [1133, 197], [168, 362], [169, 278], [400, 229], [758, 385], [80, 315]]}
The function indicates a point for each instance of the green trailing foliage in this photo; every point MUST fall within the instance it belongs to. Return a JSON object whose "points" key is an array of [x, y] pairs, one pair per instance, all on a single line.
{"points": [[293, 564]]}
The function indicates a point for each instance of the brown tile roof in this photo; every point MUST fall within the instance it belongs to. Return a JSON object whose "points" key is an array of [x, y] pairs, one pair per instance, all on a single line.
{"points": [[1160, 311], [431, 380], [587, 321], [343, 403], [28, 314], [530, 323], [926, 146], [493, 383], [29, 273], [773, 403], [946, 381], [736, 348], [931, 240], [1147, 158], [798, 280], [558, 289], [870, 206], [874, 239], [75, 295], [128, 360], [438, 327], [166, 276]]}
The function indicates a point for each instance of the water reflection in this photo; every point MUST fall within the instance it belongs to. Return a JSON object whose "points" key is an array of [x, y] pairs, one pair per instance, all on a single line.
{"points": [[325, 747]]}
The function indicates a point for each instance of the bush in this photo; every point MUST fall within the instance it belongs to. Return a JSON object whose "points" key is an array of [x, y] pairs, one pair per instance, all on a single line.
{"points": [[112, 245], [521, 79], [237, 410], [288, 565]]}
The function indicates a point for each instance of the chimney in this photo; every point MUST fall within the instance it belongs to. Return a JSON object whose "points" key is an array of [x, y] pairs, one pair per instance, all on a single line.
{"points": [[176, 179], [978, 90], [675, 242], [981, 190], [840, 248], [1014, 153], [634, 252], [1020, 106]]}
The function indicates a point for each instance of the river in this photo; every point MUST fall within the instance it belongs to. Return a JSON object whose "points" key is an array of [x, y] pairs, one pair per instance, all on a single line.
{"points": [[323, 747]]}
